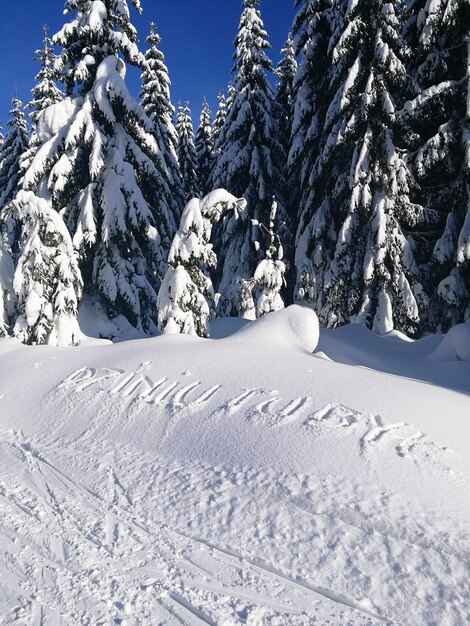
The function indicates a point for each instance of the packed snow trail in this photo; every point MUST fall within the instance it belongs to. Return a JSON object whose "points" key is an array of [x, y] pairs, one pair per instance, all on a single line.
{"points": [[239, 481], [112, 553]]}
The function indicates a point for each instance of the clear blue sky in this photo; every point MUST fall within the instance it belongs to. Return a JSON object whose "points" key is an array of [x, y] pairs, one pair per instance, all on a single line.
{"points": [[197, 40]]}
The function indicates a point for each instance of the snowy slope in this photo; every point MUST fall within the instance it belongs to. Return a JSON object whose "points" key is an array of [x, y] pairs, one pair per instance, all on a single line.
{"points": [[240, 480]]}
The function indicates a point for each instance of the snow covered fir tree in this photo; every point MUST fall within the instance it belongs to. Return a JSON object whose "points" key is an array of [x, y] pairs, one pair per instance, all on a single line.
{"points": [[269, 276], [204, 145], [47, 280], [186, 152], [361, 136], [186, 301], [12, 150], [316, 29], [248, 158], [358, 263], [156, 100], [284, 102], [436, 124], [45, 92], [219, 118]]}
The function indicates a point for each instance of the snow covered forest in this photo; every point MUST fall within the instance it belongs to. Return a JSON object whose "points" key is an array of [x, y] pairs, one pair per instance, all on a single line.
{"points": [[343, 176]]}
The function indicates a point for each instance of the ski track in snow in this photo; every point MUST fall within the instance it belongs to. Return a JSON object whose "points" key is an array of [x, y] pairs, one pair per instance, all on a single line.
{"points": [[95, 554], [93, 534], [150, 542]]}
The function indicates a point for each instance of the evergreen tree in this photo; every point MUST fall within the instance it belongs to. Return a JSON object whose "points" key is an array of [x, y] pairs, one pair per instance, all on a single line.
{"points": [[248, 153], [45, 92], [204, 147], [15, 145], [186, 301], [286, 72], [246, 306], [439, 139], [6, 267], [218, 128], [156, 100], [96, 162], [270, 273], [317, 27], [219, 119], [186, 152], [364, 184], [47, 280], [284, 110]]}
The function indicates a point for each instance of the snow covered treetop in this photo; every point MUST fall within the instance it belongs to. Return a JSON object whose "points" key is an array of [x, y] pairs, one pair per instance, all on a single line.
{"points": [[15, 145], [156, 95], [252, 40], [45, 92], [101, 28]]}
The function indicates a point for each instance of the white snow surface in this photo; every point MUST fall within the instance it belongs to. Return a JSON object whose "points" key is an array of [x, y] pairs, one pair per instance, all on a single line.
{"points": [[456, 344], [237, 480]]}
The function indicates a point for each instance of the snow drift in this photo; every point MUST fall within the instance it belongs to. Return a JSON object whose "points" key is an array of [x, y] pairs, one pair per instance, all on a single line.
{"points": [[455, 345]]}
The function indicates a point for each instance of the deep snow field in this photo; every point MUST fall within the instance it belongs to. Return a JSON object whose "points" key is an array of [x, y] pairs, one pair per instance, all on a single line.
{"points": [[237, 480]]}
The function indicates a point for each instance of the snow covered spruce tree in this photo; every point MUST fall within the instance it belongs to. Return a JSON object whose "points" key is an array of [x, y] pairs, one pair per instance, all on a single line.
{"points": [[96, 163], [186, 301], [365, 183], [47, 280], [284, 112], [247, 161], [15, 145], [270, 274], [219, 118], [186, 152], [204, 148], [45, 92], [317, 27], [156, 100], [439, 139], [286, 72]]}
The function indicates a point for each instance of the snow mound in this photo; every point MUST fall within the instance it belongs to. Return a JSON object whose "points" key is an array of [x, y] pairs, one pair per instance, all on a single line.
{"points": [[455, 346], [299, 321]]}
